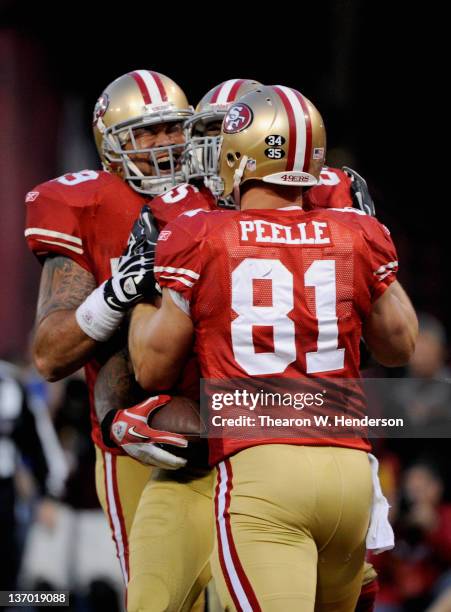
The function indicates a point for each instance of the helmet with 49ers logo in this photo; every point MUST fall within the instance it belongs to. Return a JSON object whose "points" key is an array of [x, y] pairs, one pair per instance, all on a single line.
{"points": [[204, 127], [275, 135], [134, 103]]}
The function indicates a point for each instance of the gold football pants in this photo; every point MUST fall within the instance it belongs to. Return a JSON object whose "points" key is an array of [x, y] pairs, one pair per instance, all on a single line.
{"points": [[120, 481], [291, 523], [171, 541], [162, 526]]}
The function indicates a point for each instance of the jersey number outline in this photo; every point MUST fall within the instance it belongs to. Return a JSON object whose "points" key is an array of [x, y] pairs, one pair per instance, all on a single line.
{"points": [[321, 275], [78, 177], [178, 193]]}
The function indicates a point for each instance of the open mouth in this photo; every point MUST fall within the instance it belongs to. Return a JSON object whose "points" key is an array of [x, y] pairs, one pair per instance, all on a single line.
{"points": [[163, 163]]}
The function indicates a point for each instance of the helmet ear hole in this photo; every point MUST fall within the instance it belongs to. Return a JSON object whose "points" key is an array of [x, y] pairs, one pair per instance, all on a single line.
{"points": [[230, 159]]}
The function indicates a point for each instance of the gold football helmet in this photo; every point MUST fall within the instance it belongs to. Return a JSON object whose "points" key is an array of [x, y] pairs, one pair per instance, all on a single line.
{"points": [[133, 102], [275, 135], [204, 127]]}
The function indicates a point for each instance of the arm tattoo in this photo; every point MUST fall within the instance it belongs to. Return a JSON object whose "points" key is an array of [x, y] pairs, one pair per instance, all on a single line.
{"points": [[64, 286], [116, 386]]}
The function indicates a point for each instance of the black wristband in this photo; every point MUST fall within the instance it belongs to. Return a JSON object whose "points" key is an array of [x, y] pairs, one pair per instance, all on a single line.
{"points": [[105, 428]]}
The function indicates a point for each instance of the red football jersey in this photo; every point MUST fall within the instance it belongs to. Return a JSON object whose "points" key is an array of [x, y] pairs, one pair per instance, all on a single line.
{"points": [[87, 216], [277, 293], [179, 200], [332, 191]]}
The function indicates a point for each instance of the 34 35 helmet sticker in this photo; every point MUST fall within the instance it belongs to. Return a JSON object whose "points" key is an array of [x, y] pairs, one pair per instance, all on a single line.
{"points": [[275, 142]]}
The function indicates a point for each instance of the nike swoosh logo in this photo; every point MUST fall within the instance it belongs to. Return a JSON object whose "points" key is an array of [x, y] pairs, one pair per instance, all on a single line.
{"points": [[111, 302], [131, 430]]}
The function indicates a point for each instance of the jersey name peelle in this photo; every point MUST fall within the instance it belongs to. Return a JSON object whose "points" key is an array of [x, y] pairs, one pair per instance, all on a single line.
{"points": [[310, 233]]}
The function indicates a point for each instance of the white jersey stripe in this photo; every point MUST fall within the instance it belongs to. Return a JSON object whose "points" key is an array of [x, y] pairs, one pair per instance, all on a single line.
{"points": [[224, 542], [111, 501], [177, 271], [62, 244], [180, 279], [39, 231], [225, 90], [383, 271], [301, 135], [151, 85]]}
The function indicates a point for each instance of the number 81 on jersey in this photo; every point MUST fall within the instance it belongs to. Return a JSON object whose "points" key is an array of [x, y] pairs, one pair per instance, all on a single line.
{"points": [[322, 277]]}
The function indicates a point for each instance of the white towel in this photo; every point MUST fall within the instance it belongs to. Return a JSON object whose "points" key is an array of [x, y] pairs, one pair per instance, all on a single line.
{"points": [[380, 536]]}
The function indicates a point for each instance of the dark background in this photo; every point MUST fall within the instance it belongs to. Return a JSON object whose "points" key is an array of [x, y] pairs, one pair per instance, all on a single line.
{"points": [[378, 73], [370, 69]]}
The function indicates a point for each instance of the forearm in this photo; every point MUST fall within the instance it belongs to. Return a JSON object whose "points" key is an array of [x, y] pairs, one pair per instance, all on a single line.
{"points": [[407, 313], [60, 347], [116, 387], [159, 341], [141, 343], [392, 327]]}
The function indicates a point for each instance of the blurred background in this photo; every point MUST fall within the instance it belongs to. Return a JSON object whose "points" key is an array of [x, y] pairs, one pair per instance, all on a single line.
{"points": [[376, 74]]}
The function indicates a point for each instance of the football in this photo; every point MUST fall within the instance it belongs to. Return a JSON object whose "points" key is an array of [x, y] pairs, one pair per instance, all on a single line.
{"points": [[181, 415]]}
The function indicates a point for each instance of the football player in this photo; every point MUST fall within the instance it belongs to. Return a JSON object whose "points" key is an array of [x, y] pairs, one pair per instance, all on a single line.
{"points": [[203, 132], [291, 514], [78, 226], [113, 387], [169, 563]]}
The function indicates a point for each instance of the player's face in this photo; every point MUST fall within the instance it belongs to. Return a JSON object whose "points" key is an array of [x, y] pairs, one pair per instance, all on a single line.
{"points": [[213, 128], [154, 136]]}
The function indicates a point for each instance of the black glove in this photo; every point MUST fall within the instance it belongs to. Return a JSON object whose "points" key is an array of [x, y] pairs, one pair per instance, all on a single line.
{"points": [[134, 279], [144, 235], [149, 227], [360, 195]]}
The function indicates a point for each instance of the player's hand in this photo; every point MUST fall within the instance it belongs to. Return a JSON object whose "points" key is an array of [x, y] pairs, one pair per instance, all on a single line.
{"points": [[144, 235], [130, 430], [103, 310], [134, 279], [360, 194]]}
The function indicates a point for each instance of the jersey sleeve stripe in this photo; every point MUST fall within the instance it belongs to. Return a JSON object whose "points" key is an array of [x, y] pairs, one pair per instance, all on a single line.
{"points": [[389, 265], [172, 270], [383, 271], [179, 279], [38, 231], [62, 244]]}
